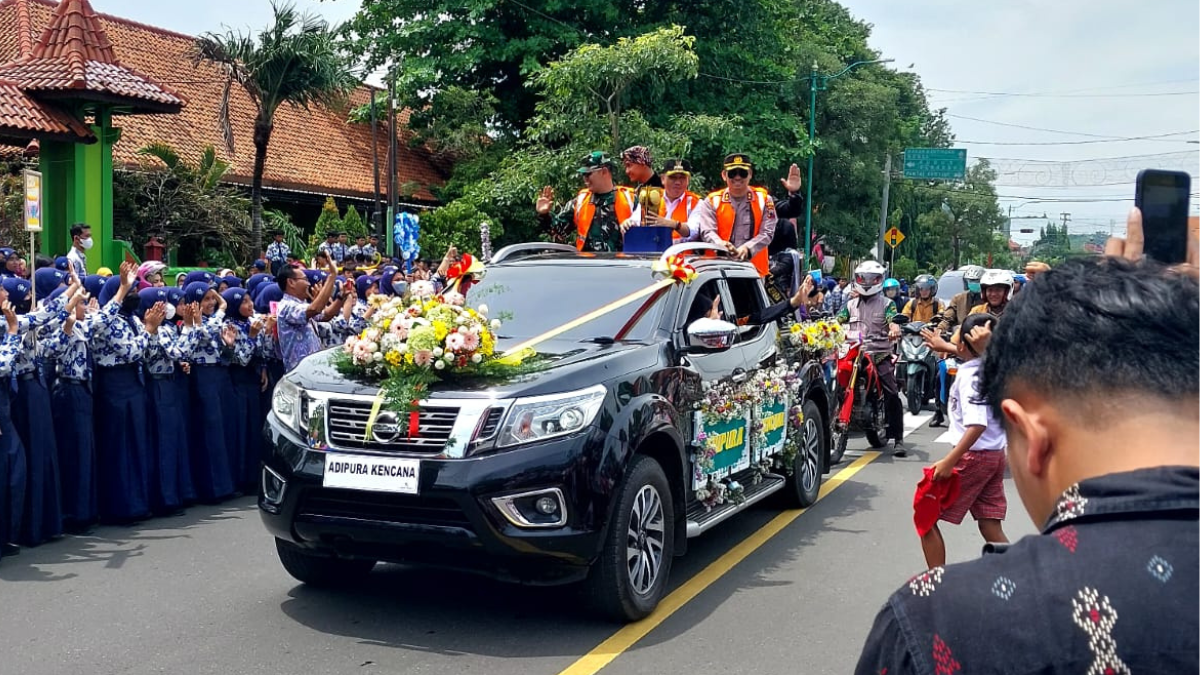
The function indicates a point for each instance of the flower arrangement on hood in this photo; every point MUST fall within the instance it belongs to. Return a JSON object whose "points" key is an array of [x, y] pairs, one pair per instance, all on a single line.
{"points": [[413, 342]]}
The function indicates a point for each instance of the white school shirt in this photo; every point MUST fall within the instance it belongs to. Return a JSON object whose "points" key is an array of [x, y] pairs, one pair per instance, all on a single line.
{"points": [[964, 413]]}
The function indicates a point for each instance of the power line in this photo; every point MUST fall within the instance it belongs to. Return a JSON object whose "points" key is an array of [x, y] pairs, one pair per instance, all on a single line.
{"points": [[1129, 85], [1022, 126], [1187, 153], [1113, 140], [1033, 95]]}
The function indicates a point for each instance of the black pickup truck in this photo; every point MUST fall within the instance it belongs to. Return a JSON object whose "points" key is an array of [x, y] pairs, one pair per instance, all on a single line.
{"points": [[597, 468]]}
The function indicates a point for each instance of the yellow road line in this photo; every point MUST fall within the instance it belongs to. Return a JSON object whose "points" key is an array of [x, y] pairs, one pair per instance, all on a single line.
{"points": [[623, 639]]}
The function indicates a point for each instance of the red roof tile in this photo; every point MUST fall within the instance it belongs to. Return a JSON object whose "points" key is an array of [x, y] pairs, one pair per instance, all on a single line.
{"points": [[313, 150], [22, 117]]}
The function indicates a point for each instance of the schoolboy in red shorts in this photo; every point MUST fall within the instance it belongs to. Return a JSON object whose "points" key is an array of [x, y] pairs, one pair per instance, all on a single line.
{"points": [[978, 454]]}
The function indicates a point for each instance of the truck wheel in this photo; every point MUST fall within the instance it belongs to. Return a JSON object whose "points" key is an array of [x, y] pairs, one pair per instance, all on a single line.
{"points": [[915, 393], [630, 575], [805, 482], [318, 570]]}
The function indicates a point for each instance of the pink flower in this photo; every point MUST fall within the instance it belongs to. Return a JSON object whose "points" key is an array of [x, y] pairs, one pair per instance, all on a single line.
{"points": [[471, 342], [400, 329], [423, 357], [349, 346], [456, 342], [454, 298]]}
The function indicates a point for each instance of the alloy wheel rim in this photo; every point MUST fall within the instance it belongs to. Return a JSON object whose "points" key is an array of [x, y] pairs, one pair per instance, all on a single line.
{"points": [[808, 476], [645, 540]]}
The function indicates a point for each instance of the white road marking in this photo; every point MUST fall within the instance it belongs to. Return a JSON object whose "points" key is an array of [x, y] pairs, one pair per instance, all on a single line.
{"points": [[914, 422], [944, 438]]}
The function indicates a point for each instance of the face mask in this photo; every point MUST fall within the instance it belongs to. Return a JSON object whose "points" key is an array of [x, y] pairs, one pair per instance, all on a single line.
{"points": [[973, 287], [86, 243], [170, 312]]}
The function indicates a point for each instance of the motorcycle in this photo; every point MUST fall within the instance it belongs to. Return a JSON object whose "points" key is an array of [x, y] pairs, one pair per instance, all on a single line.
{"points": [[917, 370], [859, 397]]}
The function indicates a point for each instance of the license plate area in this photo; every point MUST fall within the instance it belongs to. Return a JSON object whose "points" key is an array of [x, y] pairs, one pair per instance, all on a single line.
{"points": [[372, 473]]}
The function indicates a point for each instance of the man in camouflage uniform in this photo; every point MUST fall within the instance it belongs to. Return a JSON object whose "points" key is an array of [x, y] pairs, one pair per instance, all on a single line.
{"points": [[592, 220]]}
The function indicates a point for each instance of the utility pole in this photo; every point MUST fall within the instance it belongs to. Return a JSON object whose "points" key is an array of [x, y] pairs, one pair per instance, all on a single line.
{"points": [[376, 215], [883, 213]]}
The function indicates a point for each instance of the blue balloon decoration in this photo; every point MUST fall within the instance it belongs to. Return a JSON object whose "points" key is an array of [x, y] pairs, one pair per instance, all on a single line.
{"points": [[406, 235]]}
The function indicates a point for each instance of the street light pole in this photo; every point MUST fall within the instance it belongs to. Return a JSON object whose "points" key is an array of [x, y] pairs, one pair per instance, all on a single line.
{"points": [[820, 83]]}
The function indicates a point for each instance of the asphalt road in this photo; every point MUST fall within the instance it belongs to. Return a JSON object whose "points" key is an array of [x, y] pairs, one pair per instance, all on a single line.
{"points": [[203, 593]]}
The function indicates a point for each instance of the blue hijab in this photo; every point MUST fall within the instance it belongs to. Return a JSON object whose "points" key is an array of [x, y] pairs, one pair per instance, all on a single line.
{"points": [[233, 301], [109, 289], [175, 296], [18, 289], [62, 262], [200, 275], [255, 281], [232, 281], [46, 280], [93, 283], [363, 283], [148, 297], [267, 294], [195, 291], [385, 280]]}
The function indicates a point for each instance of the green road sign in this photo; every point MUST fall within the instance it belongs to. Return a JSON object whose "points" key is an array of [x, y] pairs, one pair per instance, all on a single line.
{"points": [[935, 163]]}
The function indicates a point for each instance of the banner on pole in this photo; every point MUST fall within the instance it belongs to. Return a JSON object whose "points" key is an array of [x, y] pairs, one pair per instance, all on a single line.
{"points": [[33, 201]]}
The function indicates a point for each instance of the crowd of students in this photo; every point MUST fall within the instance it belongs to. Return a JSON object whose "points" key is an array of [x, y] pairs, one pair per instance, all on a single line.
{"points": [[123, 398]]}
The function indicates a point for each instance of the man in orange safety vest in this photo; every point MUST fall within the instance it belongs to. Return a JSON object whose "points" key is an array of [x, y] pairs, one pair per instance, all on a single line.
{"points": [[740, 217], [592, 220]]}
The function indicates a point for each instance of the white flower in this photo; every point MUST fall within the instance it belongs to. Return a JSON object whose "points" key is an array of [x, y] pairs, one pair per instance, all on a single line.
{"points": [[372, 347], [463, 330], [449, 357], [439, 365], [402, 347], [482, 310], [437, 351], [495, 324], [378, 356], [476, 358], [372, 334]]}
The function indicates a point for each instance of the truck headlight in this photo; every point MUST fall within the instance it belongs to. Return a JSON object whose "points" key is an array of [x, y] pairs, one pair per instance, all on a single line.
{"points": [[538, 418], [285, 402]]}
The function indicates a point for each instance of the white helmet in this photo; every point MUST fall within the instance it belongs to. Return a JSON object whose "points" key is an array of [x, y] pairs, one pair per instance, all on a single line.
{"points": [[997, 278], [868, 278]]}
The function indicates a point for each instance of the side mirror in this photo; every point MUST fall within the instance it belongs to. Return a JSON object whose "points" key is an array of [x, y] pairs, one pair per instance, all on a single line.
{"points": [[711, 334]]}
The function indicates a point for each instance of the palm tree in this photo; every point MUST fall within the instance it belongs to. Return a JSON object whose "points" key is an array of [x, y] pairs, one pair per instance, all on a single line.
{"points": [[296, 61]]}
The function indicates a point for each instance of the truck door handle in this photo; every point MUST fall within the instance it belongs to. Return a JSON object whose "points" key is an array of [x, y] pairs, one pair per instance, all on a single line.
{"points": [[740, 375]]}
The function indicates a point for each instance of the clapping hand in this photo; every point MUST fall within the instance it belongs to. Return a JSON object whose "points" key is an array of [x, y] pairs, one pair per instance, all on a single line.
{"points": [[154, 317], [10, 317], [128, 274], [256, 326], [229, 336]]}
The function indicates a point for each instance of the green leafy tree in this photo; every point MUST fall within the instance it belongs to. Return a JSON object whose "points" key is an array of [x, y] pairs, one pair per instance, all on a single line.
{"points": [[295, 61], [330, 220], [352, 223], [905, 268]]}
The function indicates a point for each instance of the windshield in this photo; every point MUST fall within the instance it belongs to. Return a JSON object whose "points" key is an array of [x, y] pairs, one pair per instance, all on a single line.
{"points": [[531, 299], [950, 285]]}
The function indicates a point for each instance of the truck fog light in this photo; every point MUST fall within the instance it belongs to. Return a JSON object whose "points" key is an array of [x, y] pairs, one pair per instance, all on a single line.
{"points": [[273, 486], [547, 505]]}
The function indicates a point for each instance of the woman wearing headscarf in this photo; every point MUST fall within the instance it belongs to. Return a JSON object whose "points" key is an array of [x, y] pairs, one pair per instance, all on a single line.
{"points": [[93, 284], [149, 274], [210, 386], [168, 439], [31, 413], [243, 414], [268, 338], [187, 489], [12, 453], [71, 402], [122, 433], [254, 282], [47, 282]]}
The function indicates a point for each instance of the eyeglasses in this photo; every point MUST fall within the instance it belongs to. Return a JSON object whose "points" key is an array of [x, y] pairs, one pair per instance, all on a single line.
{"points": [[737, 173]]}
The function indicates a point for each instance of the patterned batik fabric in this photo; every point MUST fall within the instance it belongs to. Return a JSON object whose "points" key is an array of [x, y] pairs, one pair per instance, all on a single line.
{"points": [[1110, 587]]}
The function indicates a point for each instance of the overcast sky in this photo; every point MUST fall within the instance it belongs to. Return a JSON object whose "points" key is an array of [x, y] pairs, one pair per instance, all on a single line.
{"points": [[1099, 69]]}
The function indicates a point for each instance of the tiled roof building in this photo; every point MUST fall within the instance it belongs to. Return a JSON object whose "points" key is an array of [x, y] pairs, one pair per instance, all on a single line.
{"points": [[112, 59]]}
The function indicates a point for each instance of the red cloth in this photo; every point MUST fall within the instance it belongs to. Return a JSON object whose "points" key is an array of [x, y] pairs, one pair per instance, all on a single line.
{"points": [[933, 497]]}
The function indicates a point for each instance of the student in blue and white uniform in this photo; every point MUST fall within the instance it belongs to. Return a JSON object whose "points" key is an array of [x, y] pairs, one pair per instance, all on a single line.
{"points": [[168, 438], [72, 405], [268, 339], [179, 383], [122, 433], [12, 454], [42, 519], [210, 388], [243, 418]]}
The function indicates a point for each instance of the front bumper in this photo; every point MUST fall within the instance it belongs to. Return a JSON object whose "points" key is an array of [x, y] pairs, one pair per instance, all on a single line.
{"points": [[452, 521]]}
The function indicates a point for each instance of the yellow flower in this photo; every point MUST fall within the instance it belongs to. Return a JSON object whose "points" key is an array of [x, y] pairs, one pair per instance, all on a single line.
{"points": [[387, 323], [795, 328], [440, 330], [408, 359], [394, 358]]}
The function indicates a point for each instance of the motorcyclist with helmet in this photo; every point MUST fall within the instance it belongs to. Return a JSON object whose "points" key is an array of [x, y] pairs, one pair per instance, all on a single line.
{"points": [[891, 290], [871, 312], [961, 304], [924, 306], [997, 289]]}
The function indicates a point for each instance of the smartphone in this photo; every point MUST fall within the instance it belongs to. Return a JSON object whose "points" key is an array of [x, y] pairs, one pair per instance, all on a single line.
{"points": [[1163, 199]]}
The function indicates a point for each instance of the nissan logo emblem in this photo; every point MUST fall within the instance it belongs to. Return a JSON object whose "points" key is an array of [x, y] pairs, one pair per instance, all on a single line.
{"points": [[386, 428]]}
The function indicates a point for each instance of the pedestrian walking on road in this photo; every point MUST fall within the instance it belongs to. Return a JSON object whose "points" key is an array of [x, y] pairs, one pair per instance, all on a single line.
{"points": [[1103, 451], [978, 454]]}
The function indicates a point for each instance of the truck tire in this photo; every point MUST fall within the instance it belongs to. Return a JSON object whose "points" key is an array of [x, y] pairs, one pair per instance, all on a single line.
{"points": [[318, 570], [804, 484], [624, 587]]}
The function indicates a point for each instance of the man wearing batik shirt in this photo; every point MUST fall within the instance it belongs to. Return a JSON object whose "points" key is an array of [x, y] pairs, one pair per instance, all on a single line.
{"points": [[297, 335], [592, 220], [1103, 451]]}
